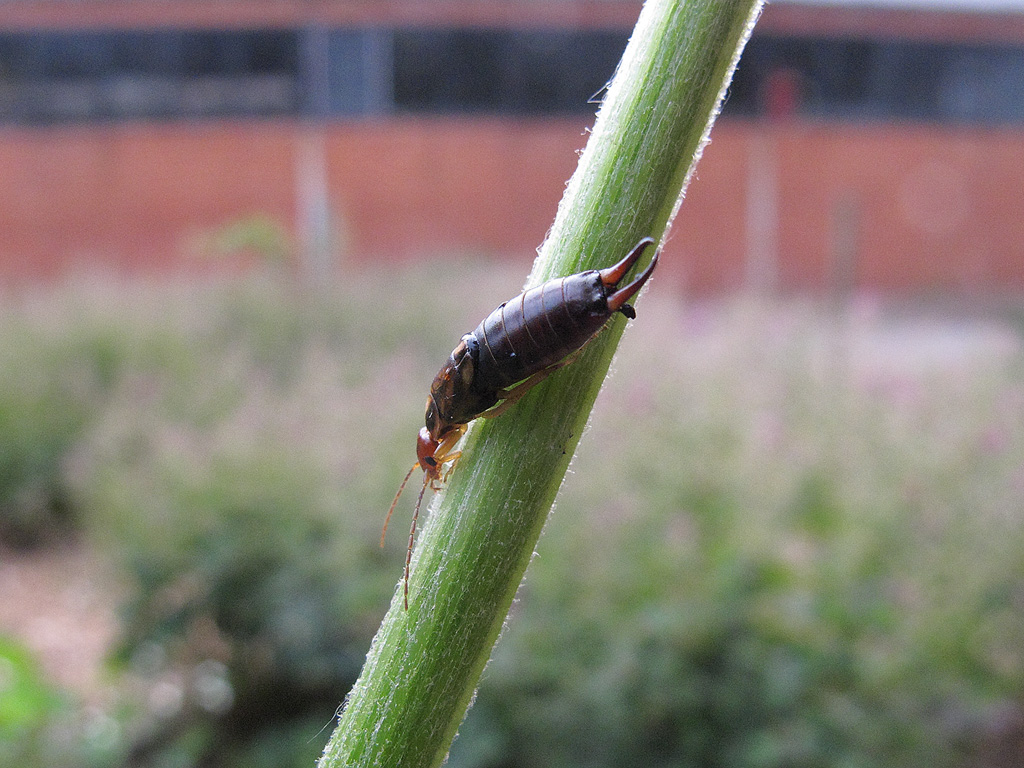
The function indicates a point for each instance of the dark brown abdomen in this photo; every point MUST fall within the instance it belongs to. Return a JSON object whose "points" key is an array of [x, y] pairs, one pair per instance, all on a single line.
{"points": [[538, 328]]}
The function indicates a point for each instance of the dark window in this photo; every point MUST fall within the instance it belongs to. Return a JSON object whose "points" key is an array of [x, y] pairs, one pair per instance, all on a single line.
{"points": [[67, 76], [480, 70], [320, 72], [857, 79]]}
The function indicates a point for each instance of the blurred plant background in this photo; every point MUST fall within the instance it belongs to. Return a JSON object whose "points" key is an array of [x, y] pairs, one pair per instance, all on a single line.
{"points": [[792, 536]]}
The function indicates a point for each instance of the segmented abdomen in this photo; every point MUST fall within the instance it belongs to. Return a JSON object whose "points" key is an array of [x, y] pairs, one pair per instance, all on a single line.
{"points": [[538, 328]]}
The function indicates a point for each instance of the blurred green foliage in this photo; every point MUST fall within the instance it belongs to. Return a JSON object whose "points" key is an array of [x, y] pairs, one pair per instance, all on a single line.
{"points": [[258, 234], [795, 538], [240, 491], [40, 725], [45, 397]]}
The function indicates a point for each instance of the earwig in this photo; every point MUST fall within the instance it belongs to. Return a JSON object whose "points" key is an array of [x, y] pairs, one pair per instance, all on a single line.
{"points": [[518, 345]]}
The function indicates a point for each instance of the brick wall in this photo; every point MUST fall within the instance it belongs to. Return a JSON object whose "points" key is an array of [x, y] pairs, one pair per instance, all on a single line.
{"points": [[787, 204]]}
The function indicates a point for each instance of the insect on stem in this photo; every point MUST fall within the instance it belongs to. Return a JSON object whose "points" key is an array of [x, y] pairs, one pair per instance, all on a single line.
{"points": [[513, 349]]}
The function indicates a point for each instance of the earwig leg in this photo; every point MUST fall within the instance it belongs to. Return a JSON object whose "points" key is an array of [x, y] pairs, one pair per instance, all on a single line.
{"points": [[453, 458], [512, 395], [613, 275], [442, 455]]}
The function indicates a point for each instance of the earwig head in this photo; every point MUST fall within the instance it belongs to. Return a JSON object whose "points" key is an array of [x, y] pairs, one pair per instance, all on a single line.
{"points": [[428, 439], [426, 447]]}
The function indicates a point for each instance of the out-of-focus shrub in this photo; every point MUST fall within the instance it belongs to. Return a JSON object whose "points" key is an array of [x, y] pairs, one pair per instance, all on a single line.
{"points": [[54, 373], [231, 447], [242, 497], [63, 350], [42, 726], [796, 543], [43, 408], [251, 594], [790, 549]]}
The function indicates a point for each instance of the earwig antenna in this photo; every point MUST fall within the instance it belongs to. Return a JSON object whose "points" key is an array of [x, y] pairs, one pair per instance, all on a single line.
{"points": [[412, 536], [401, 488]]}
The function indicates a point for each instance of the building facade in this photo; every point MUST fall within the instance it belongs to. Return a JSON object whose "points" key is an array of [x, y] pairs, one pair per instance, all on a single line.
{"points": [[860, 149]]}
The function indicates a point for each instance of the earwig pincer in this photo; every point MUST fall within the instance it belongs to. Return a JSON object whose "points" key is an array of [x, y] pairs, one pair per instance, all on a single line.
{"points": [[516, 347]]}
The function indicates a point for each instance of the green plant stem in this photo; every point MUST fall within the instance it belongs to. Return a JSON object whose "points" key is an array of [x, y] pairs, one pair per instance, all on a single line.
{"points": [[423, 667]]}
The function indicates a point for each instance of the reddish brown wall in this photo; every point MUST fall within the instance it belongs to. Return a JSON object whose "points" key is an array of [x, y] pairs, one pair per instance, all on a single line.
{"points": [[933, 209], [54, 14], [929, 208], [134, 196], [801, 18]]}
